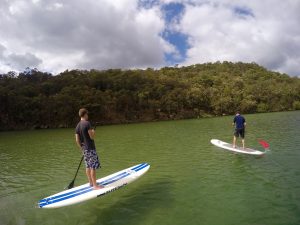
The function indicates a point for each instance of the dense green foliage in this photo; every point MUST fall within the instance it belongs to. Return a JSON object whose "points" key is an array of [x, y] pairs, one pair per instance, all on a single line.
{"points": [[36, 99]]}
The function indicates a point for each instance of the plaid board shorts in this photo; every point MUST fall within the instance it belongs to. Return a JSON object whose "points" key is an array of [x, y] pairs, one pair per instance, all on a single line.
{"points": [[91, 159]]}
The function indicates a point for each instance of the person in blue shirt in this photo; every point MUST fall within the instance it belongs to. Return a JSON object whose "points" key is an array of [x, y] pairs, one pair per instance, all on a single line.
{"points": [[240, 123]]}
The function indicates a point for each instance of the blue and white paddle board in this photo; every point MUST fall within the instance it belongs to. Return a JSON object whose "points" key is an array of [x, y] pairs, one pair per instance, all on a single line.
{"points": [[237, 149], [85, 192]]}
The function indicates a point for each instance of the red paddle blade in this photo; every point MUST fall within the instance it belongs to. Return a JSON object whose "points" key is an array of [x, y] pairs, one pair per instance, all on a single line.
{"points": [[264, 144]]}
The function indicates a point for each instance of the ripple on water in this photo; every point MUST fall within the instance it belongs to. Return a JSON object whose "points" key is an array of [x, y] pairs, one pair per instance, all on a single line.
{"points": [[190, 180]]}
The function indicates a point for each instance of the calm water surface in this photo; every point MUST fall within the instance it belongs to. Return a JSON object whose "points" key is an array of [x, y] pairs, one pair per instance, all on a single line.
{"points": [[190, 180]]}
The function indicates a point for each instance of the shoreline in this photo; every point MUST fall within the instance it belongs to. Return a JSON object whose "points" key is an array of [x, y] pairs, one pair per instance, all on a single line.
{"points": [[39, 100], [209, 116]]}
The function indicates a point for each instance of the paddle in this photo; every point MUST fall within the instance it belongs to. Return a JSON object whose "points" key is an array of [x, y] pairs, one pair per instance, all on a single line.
{"points": [[71, 185], [264, 144], [96, 123]]}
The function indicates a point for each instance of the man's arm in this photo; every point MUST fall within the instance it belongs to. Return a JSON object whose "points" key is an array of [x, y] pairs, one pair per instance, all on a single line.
{"points": [[91, 133], [78, 140]]}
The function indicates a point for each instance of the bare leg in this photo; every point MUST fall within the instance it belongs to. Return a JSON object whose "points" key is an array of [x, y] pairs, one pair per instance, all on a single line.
{"points": [[234, 141], [93, 176], [243, 142], [88, 174]]}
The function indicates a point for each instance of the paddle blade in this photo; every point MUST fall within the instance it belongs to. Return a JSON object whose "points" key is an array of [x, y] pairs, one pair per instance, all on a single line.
{"points": [[71, 185], [264, 144]]}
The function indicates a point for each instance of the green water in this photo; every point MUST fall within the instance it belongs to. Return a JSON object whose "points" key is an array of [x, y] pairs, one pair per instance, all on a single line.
{"points": [[190, 181]]}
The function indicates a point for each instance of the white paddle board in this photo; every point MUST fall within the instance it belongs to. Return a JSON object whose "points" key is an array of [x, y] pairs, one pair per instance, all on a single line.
{"points": [[85, 192], [229, 147]]}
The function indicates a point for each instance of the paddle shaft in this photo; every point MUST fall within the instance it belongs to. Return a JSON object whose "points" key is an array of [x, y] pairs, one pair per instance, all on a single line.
{"points": [[78, 168]]}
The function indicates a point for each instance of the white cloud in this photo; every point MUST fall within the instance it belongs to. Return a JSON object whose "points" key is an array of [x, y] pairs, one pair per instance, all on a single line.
{"points": [[17, 61], [55, 35], [81, 34], [265, 32]]}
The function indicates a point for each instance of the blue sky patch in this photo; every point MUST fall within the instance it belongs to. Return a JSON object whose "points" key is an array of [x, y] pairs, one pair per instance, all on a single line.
{"points": [[172, 11], [147, 4], [179, 40], [243, 12], [172, 15]]}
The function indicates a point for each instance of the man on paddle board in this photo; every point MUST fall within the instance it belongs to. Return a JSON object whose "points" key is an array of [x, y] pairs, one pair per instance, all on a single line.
{"points": [[240, 123], [84, 135]]}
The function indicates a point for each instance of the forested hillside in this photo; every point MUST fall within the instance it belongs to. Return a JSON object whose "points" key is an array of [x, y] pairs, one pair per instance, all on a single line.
{"points": [[34, 99]]}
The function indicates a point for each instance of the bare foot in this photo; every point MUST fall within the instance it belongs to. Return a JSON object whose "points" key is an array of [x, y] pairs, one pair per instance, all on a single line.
{"points": [[97, 187]]}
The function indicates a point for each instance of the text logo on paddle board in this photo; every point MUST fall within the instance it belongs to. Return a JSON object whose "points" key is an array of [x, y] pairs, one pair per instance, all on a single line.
{"points": [[111, 190]]}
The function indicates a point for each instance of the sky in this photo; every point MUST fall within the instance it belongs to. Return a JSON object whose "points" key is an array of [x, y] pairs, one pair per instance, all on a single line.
{"points": [[56, 35]]}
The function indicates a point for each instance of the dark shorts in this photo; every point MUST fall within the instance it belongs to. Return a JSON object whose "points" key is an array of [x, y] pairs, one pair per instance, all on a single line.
{"points": [[239, 132], [91, 159]]}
